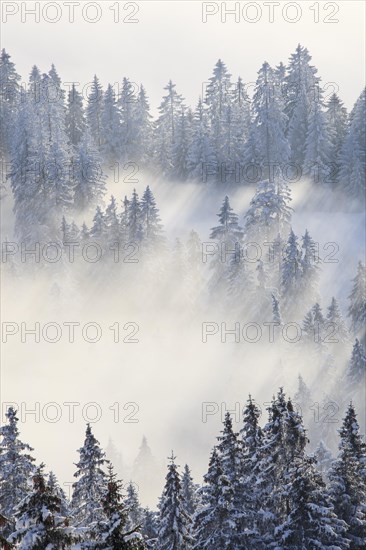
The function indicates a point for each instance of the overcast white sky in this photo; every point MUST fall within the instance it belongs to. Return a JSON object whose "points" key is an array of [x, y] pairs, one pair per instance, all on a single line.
{"points": [[171, 41]]}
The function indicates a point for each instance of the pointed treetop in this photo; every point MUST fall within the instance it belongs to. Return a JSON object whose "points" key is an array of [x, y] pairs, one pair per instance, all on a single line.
{"points": [[172, 458]]}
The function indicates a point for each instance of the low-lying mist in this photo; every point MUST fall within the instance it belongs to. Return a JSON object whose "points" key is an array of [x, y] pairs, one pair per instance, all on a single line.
{"points": [[145, 348]]}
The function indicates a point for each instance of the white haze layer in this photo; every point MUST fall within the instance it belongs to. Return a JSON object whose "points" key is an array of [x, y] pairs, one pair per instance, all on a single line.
{"points": [[170, 372]]}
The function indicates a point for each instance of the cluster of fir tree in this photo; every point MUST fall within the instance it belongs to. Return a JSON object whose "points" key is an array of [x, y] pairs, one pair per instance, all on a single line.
{"points": [[137, 223], [322, 400], [280, 279], [36, 513], [261, 269], [262, 490], [288, 125]]}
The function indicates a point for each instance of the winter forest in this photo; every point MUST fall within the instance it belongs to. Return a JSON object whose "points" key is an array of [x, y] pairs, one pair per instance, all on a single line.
{"points": [[229, 235]]}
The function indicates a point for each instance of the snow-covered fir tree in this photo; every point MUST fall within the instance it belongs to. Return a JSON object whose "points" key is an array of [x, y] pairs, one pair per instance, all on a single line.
{"points": [[56, 489], [39, 522], [269, 213], [189, 492], [25, 176], [34, 84], [16, 468], [175, 524], [324, 459], [57, 83], [113, 533], [230, 452], [9, 101], [251, 433], [40, 163], [352, 173], [291, 273], [310, 521], [228, 229], [319, 321], [94, 111], [126, 102], [302, 84], [240, 283], [274, 260], [134, 219], [143, 124], [309, 269], [356, 371], [151, 227], [123, 220], [134, 509], [337, 122], [166, 128], [241, 122], [303, 398], [213, 523], [308, 327], [218, 100], [180, 150], [317, 159], [228, 235], [357, 306], [284, 438], [112, 223], [110, 128], [335, 319], [280, 72], [251, 436], [90, 486], [348, 480], [276, 313], [75, 116], [58, 182], [98, 230], [270, 123], [84, 233], [150, 527], [40, 175], [201, 160], [88, 174]]}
